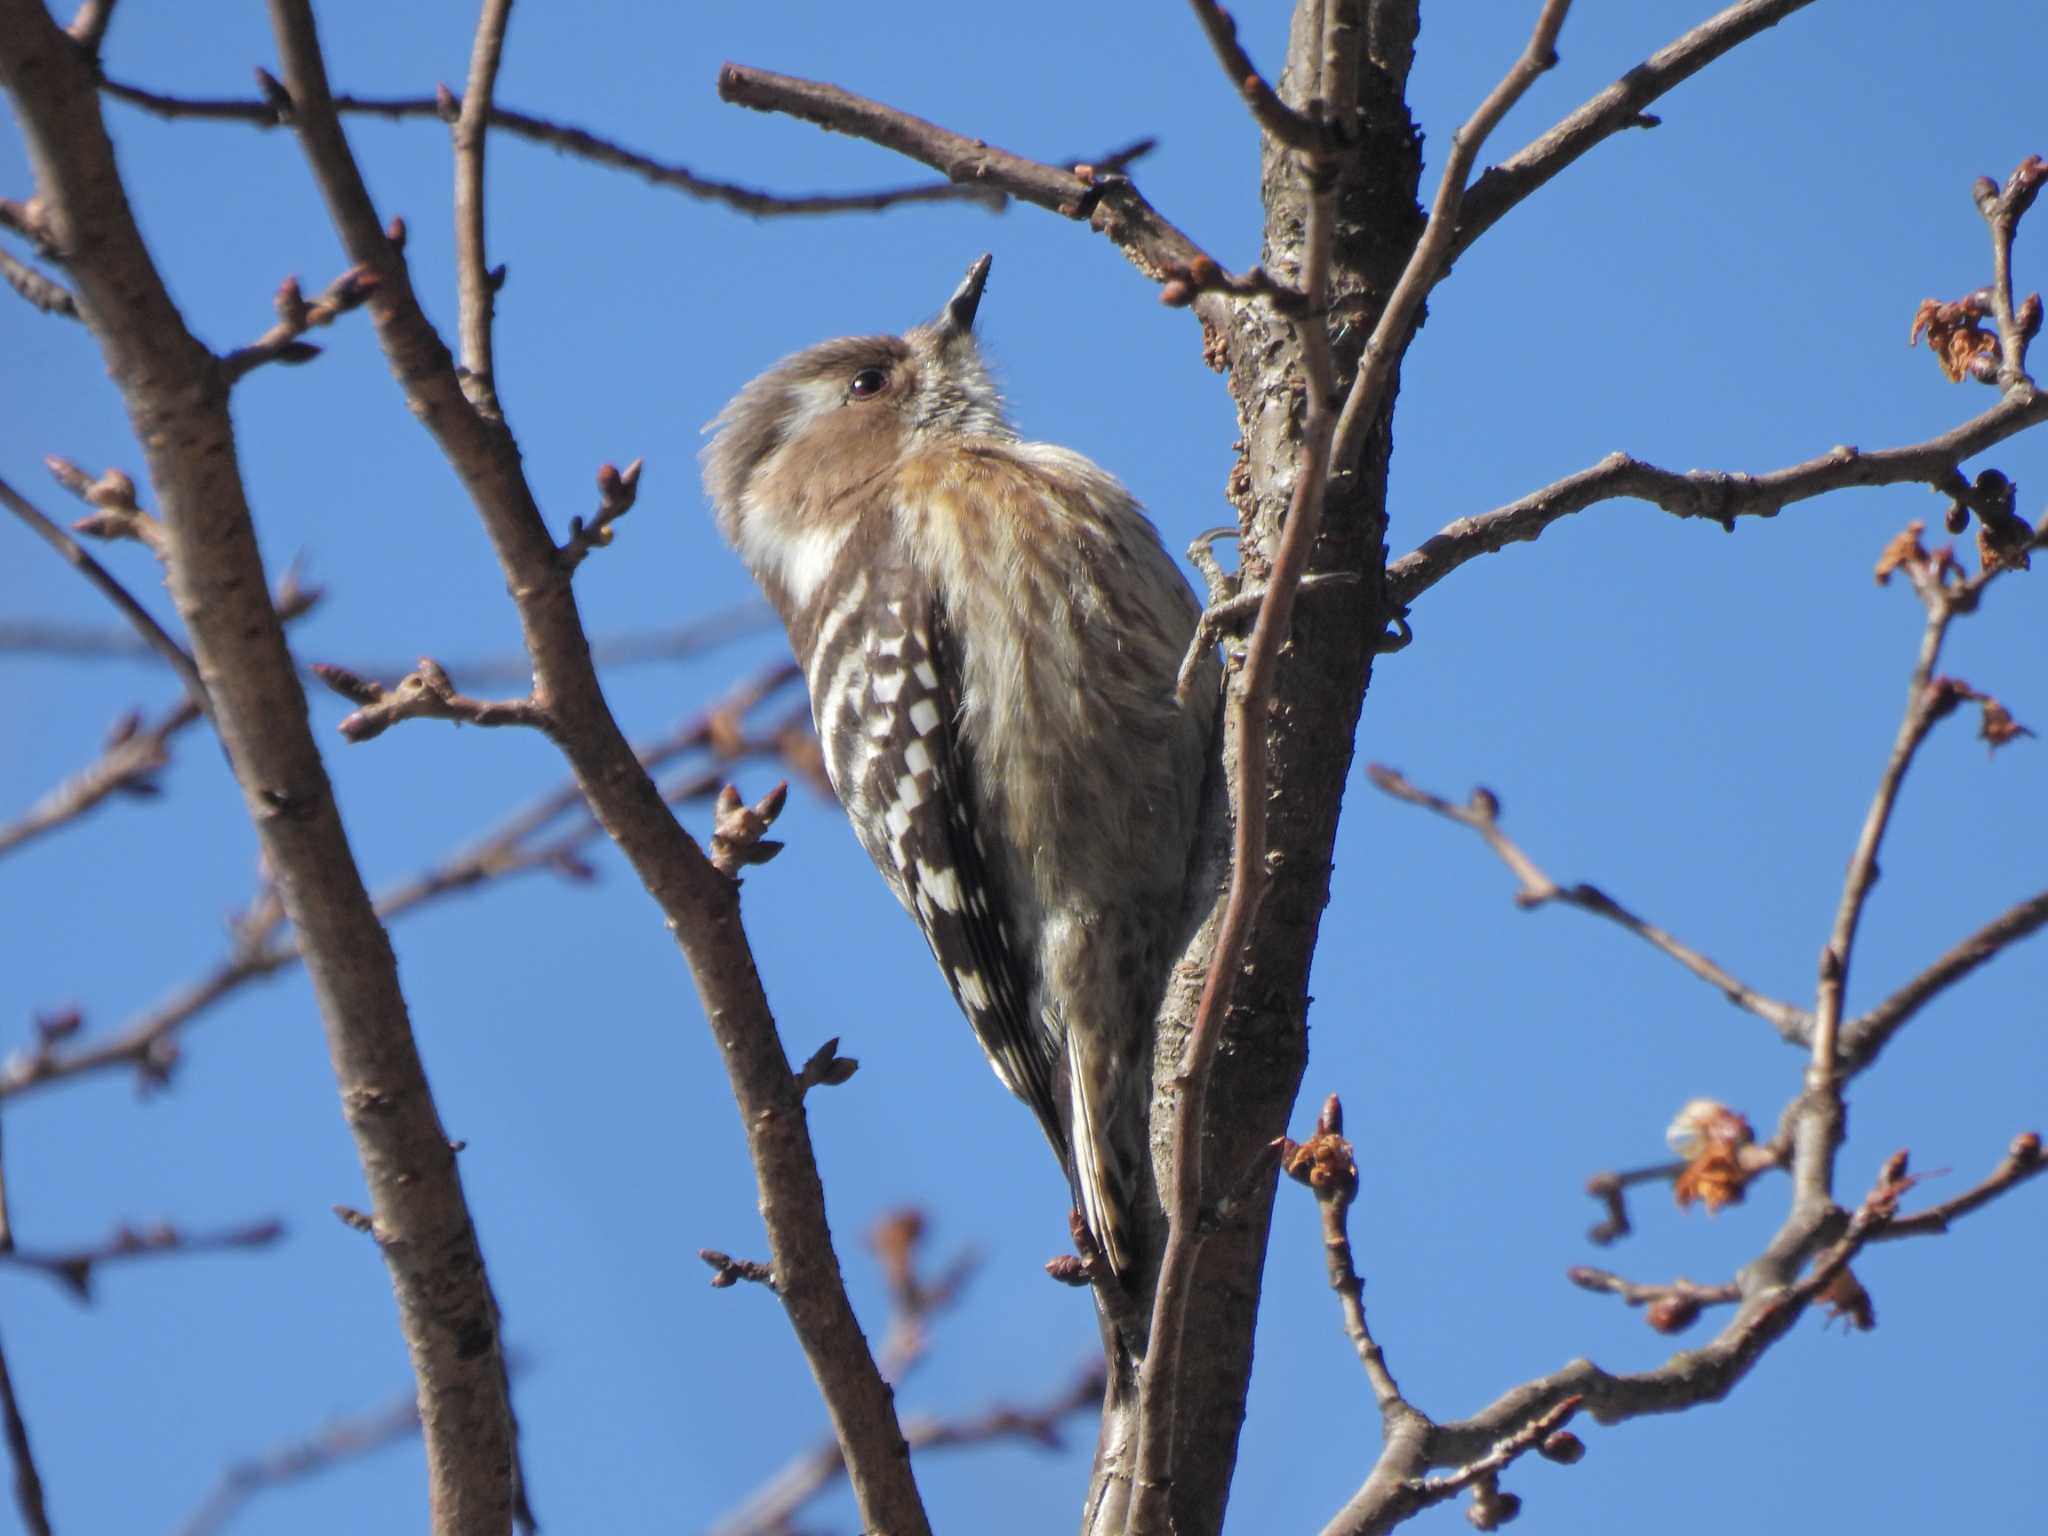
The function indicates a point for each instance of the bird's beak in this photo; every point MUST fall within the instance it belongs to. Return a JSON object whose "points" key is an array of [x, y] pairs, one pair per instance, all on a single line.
{"points": [[958, 319]]}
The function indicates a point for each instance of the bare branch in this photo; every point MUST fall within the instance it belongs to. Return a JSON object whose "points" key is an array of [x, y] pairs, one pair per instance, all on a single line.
{"points": [[1109, 203], [338, 1442], [28, 1482], [1618, 107], [1863, 1037], [517, 846], [1247, 706], [177, 397], [2023, 1160], [478, 285], [728, 1271], [633, 649], [2018, 324], [1432, 255], [74, 1268], [1926, 703], [1481, 814], [1327, 1165], [425, 693], [1717, 495], [584, 145], [1295, 129], [46, 293], [1671, 1306], [134, 754], [770, 1510], [1611, 1188], [144, 622], [617, 490], [1768, 1311], [700, 904], [295, 317]]}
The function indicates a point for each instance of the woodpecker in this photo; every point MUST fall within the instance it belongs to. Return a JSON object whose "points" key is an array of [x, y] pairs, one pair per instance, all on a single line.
{"points": [[991, 630]]}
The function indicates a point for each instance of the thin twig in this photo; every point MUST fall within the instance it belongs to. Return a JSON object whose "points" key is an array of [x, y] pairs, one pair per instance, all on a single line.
{"points": [[1719, 496], [1614, 110], [1707, 1373], [149, 1042], [145, 623], [1110, 203], [28, 1482], [46, 293], [1821, 1129], [1328, 1165], [425, 693], [1481, 814], [634, 649], [574, 141], [338, 1442], [1431, 257], [2018, 324], [2022, 1161], [1611, 1190], [771, 1509], [1669, 1307], [296, 316], [1295, 129], [133, 756], [1863, 1037], [74, 1268], [477, 285]]}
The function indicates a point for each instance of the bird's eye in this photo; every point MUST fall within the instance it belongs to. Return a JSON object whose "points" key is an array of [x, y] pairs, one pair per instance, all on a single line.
{"points": [[868, 383]]}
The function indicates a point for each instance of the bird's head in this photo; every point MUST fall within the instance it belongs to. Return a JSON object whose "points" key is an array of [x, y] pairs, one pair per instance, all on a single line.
{"points": [[792, 452]]}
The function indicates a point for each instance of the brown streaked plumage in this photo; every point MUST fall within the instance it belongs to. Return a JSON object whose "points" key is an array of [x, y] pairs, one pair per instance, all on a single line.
{"points": [[990, 630]]}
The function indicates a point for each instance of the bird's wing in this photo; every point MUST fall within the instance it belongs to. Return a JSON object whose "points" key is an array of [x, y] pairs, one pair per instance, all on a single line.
{"points": [[888, 719]]}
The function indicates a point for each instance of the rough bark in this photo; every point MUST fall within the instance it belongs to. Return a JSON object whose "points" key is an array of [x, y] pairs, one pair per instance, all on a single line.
{"points": [[1321, 687]]}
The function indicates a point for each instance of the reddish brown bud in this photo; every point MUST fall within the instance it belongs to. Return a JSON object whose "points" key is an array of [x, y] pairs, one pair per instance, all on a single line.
{"points": [[1563, 1447], [1672, 1314]]}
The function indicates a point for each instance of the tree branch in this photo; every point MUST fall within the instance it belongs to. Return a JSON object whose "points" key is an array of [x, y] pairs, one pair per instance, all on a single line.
{"points": [[128, 766], [1432, 255], [1297, 130], [573, 141], [1768, 1312], [46, 293], [517, 846], [177, 397], [1481, 814], [28, 1482], [1865, 1036], [700, 904], [1110, 203], [140, 618], [477, 284], [74, 1268], [337, 1442], [1618, 107], [1717, 495], [2023, 1160]]}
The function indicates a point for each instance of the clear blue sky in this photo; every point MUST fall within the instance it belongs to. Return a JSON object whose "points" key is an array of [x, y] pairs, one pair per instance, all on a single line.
{"points": [[1690, 719]]}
